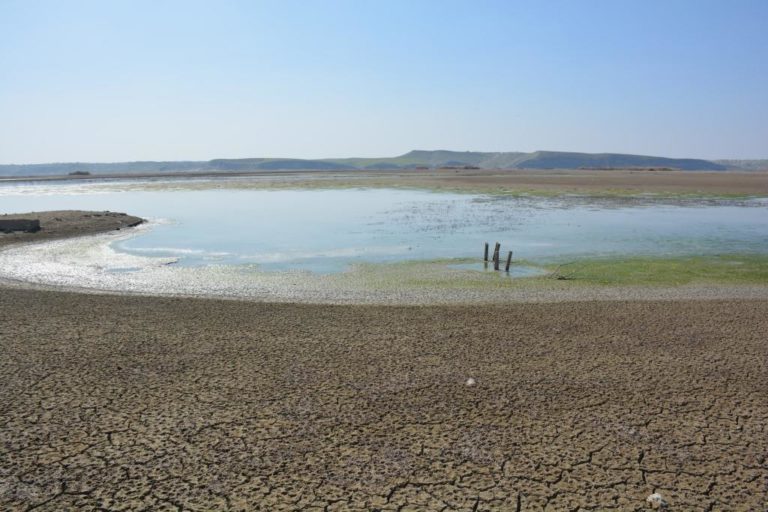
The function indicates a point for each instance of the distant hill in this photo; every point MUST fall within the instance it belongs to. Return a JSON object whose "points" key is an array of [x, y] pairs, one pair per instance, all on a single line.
{"points": [[560, 160], [748, 165], [536, 160], [273, 164], [417, 158]]}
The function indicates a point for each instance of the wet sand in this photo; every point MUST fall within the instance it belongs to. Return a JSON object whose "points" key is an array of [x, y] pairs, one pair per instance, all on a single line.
{"points": [[146, 403]]}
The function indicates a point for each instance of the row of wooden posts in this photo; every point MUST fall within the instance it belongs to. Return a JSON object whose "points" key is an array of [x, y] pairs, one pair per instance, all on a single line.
{"points": [[496, 257]]}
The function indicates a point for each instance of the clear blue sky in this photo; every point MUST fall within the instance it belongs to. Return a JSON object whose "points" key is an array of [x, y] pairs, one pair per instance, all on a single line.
{"points": [[111, 80]]}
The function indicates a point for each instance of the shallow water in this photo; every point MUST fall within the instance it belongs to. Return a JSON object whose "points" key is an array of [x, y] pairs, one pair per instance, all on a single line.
{"points": [[515, 269], [325, 231]]}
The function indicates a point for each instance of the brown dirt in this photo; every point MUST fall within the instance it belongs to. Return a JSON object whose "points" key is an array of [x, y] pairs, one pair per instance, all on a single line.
{"points": [[131, 403], [68, 223]]}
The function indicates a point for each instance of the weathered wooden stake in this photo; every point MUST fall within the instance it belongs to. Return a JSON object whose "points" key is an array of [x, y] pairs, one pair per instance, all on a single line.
{"points": [[485, 257], [509, 261], [496, 256]]}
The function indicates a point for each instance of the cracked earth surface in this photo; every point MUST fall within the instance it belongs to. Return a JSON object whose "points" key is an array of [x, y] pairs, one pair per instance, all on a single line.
{"points": [[135, 403]]}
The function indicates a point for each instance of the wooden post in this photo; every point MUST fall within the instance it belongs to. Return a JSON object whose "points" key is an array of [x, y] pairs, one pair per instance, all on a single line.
{"points": [[509, 261], [496, 256], [485, 257]]}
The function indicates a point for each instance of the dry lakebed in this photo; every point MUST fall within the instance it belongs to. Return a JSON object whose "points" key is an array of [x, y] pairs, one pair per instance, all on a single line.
{"points": [[566, 395]]}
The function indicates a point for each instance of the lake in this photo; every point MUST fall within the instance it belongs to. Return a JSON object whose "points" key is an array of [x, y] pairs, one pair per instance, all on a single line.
{"points": [[327, 230], [238, 238]]}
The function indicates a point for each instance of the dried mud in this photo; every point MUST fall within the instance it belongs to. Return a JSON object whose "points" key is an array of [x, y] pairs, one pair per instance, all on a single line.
{"points": [[138, 403]]}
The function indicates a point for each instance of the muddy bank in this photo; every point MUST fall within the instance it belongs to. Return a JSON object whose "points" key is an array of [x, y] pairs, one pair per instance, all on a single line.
{"points": [[154, 403], [68, 223]]}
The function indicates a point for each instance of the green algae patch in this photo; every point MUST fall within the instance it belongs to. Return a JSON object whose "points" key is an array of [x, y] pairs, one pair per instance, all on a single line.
{"points": [[447, 274], [726, 269]]}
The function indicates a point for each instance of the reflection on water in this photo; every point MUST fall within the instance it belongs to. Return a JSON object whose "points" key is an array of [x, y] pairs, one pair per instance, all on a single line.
{"points": [[325, 231]]}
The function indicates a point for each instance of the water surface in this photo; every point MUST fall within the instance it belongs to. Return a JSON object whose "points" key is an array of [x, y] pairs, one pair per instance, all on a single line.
{"points": [[326, 231]]}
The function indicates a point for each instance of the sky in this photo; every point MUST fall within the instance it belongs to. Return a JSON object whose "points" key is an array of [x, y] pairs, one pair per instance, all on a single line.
{"points": [[103, 81]]}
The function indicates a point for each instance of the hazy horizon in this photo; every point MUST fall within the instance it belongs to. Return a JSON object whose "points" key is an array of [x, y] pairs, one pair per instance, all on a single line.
{"points": [[88, 81]]}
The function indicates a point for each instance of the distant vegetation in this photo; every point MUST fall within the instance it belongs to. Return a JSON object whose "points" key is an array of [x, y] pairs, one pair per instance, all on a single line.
{"points": [[412, 160]]}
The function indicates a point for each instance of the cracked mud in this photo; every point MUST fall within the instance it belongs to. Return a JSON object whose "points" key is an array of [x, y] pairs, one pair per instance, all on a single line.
{"points": [[136, 403]]}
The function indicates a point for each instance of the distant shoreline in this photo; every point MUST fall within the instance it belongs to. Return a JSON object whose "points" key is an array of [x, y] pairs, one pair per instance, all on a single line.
{"points": [[557, 181], [416, 159]]}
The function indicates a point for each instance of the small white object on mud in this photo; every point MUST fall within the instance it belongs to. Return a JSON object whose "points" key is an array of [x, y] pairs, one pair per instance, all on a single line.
{"points": [[470, 382], [656, 500]]}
